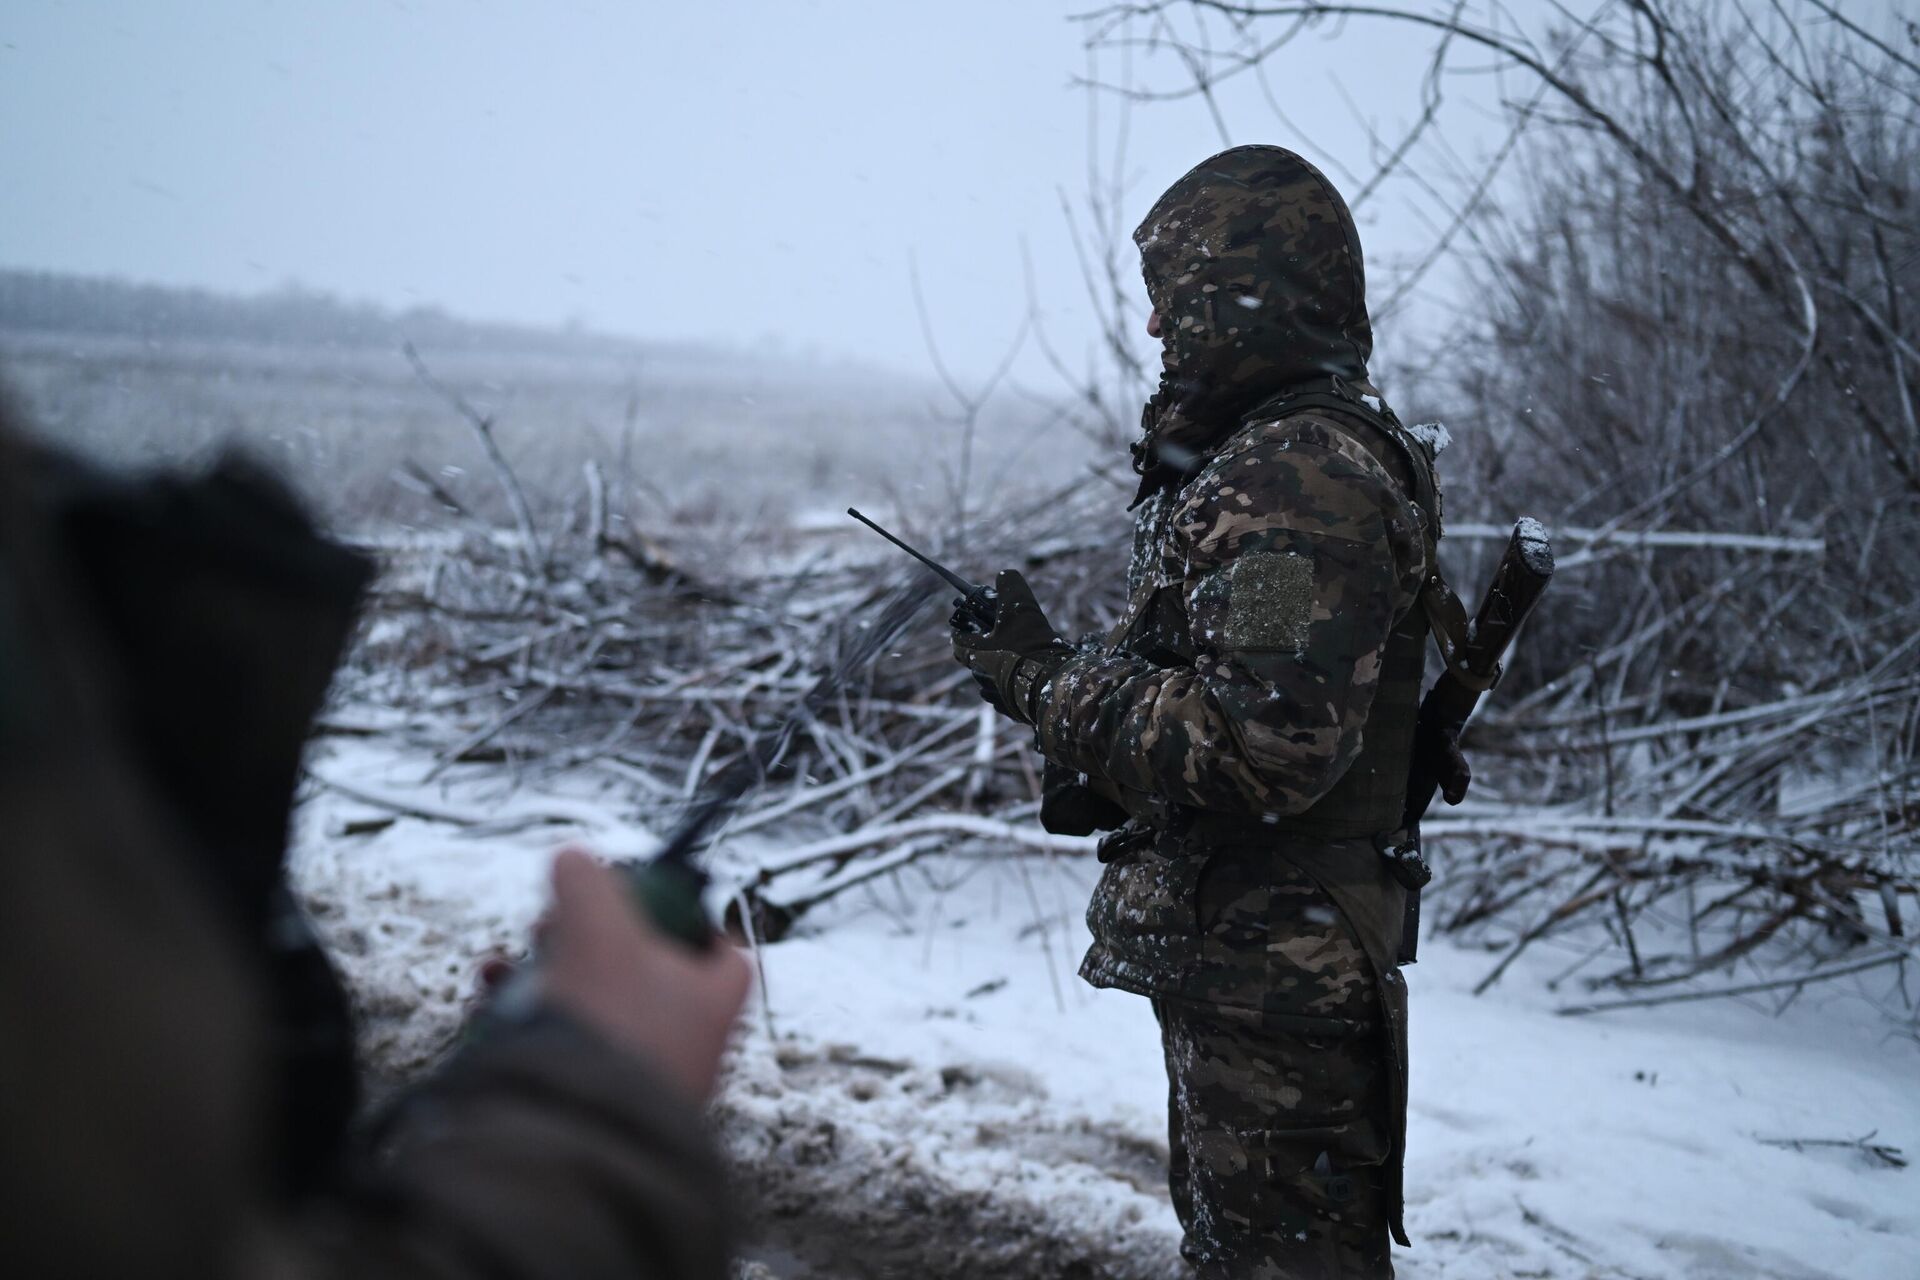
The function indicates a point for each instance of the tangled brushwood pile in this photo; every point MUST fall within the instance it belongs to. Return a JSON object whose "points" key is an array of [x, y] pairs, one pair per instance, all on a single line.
{"points": [[1685, 843], [1782, 830], [1704, 315], [659, 660]]}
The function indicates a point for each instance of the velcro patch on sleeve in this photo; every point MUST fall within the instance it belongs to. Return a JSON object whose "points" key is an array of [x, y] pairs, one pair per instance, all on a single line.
{"points": [[1269, 601]]}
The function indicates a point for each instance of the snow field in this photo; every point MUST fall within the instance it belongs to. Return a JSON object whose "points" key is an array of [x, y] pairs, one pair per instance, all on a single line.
{"points": [[924, 1074]]}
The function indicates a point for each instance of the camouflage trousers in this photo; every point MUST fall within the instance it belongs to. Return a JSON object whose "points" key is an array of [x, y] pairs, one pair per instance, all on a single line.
{"points": [[1281, 1116], [1277, 1144]]}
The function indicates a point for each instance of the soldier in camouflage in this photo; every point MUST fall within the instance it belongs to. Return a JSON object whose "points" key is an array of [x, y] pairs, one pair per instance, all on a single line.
{"points": [[1248, 725]]}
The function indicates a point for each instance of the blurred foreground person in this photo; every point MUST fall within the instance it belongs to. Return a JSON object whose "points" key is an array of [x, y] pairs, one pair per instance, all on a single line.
{"points": [[176, 1070], [1248, 726]]}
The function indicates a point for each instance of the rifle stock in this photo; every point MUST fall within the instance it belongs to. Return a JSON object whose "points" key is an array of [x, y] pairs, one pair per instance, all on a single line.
{"points": [[1474, 667], [1519, 580]]}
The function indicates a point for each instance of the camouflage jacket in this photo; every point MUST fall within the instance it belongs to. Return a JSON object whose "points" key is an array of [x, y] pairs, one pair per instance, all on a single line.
{"points": [[1274, 552], [1261, 596]]}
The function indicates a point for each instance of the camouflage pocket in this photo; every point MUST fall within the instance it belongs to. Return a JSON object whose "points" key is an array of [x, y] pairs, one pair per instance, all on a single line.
{"points": [[1315, 965], [1233, 899], [1231, 907], [1283, 1204], [1322, 1086], [1144, 920], [1312, 1155], [1269, 940]]}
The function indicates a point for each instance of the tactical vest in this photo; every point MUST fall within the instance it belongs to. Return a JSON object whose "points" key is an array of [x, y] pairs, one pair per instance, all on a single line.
{"points": [[1370, 798]]}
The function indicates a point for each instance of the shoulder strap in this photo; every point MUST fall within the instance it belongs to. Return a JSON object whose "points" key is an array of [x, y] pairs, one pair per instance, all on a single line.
{"points": [[1341, 398]]}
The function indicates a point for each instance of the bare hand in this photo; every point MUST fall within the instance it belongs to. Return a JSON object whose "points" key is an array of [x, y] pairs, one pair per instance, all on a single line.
{"points": [[608, 966]]}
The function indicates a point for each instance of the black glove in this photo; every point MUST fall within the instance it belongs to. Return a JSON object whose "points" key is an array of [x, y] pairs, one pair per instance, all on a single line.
{"points": [[1013, 659], [1070, 807], [1437, 750]]}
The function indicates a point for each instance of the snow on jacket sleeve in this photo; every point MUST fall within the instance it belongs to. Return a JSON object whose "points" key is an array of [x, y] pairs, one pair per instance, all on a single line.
{"points": [[1293, 558]]}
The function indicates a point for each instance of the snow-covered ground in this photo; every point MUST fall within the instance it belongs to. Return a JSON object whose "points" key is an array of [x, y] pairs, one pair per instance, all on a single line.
{"points": [[926, 1085]]}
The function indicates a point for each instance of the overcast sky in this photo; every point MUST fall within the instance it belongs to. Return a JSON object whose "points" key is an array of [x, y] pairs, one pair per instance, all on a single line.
{"points": [[751, 172]]}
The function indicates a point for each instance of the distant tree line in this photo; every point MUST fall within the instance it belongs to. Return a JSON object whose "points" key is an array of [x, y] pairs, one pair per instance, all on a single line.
{"points": [[55, 302]]}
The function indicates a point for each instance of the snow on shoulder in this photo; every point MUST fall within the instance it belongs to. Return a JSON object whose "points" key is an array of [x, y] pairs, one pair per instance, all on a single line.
{"points": [[1433, 435]]}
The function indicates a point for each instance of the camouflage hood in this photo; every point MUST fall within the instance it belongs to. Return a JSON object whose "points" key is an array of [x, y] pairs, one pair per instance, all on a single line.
{"points": [[1254, 265]]}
